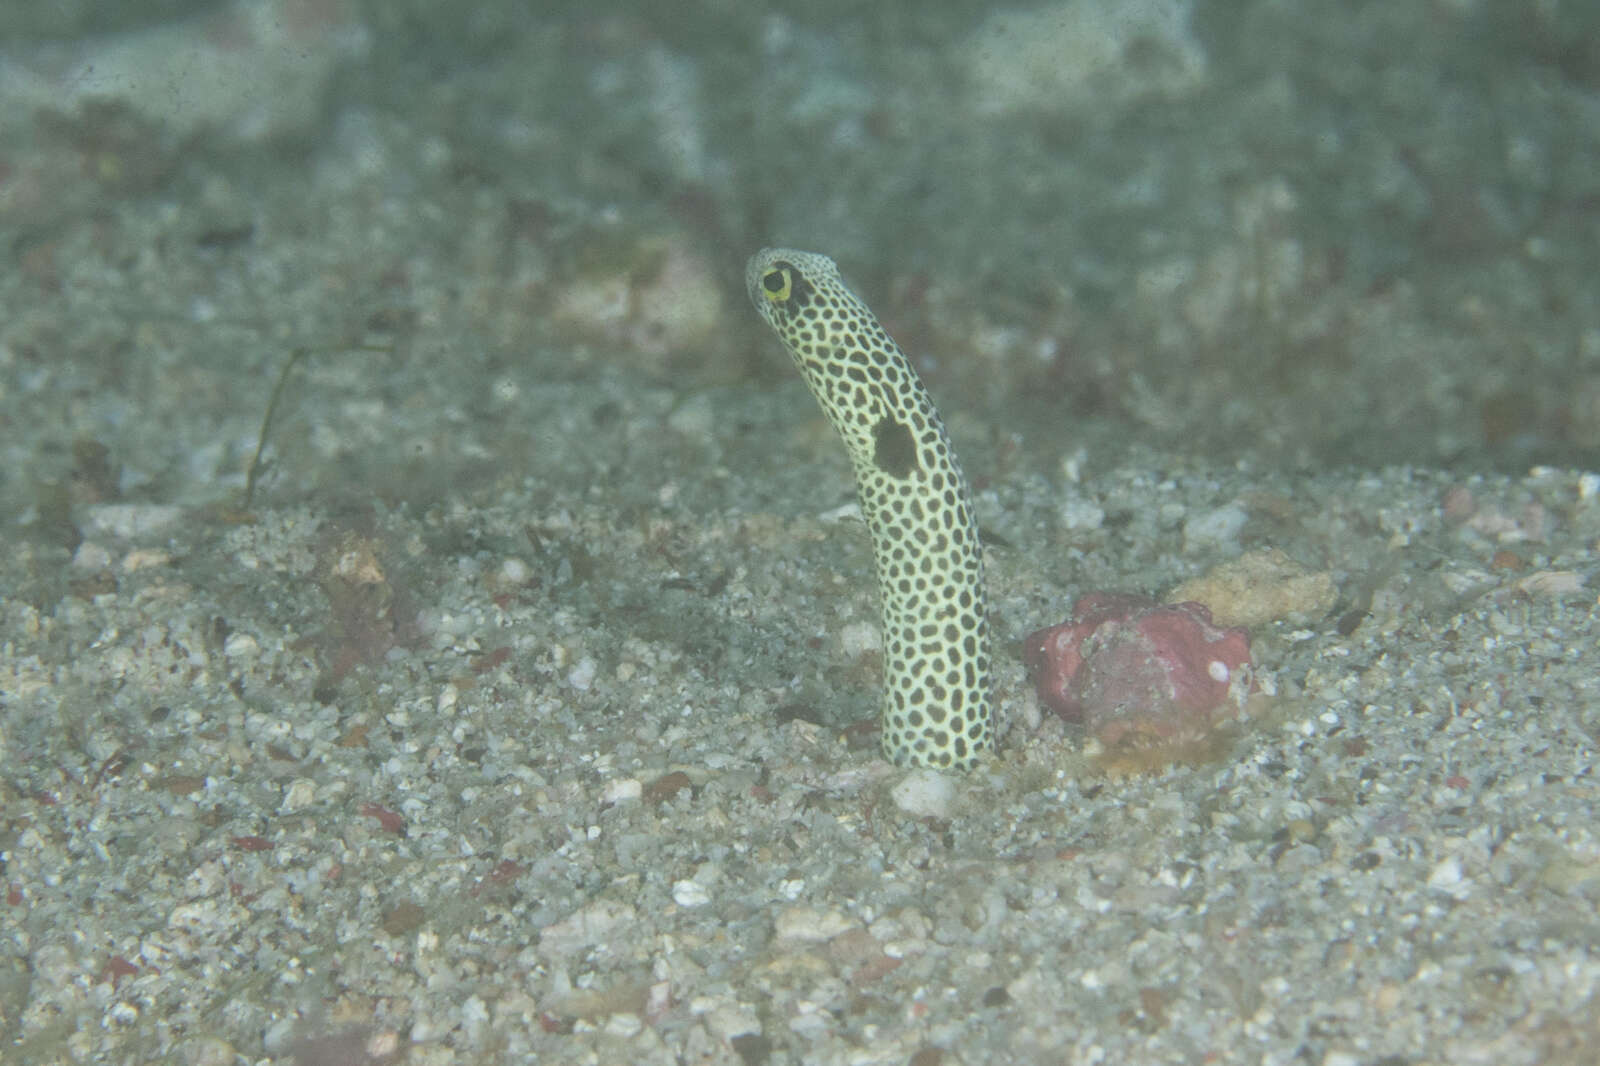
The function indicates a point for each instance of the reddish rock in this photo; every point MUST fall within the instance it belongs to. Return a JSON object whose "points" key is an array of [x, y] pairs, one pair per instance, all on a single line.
{"points": [[1126, 666]]}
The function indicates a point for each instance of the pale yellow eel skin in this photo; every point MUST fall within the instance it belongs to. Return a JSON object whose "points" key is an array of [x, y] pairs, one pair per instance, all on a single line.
{"points": [[937, 709]]}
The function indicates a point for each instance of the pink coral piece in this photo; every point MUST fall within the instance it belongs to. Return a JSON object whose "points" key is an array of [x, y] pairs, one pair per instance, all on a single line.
{"points": [[1124, 664]]}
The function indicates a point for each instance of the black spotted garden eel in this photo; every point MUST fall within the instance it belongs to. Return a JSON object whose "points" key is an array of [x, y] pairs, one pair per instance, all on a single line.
{"points": [[918, 510]]}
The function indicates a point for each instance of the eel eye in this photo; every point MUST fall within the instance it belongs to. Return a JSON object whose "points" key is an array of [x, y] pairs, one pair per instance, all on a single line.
{"points": [[777, 284]]}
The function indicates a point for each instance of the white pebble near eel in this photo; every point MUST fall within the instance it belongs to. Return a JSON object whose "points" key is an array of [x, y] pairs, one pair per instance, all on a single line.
{"points": [[936, 692]]}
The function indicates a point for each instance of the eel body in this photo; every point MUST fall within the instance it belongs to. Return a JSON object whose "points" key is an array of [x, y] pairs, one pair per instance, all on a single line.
{"points": [[937, 709]]}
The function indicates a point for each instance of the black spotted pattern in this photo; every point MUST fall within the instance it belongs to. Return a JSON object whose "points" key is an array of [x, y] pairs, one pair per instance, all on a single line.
{"points": [[936, 700]]}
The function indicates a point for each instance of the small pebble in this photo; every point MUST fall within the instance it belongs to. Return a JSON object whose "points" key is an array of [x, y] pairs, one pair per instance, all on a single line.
{"points": [[581, 676], [620, 790], [586, 927], [1446, 878], [240, 646], [925, 794], [809, 924], [91, 556], [690, 894], [145, 559], [301, 793], [858, 638], [130, 520]]}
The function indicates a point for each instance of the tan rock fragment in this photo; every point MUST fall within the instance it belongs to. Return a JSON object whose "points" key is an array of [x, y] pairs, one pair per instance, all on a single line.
{"points": [[1260, 586]]}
